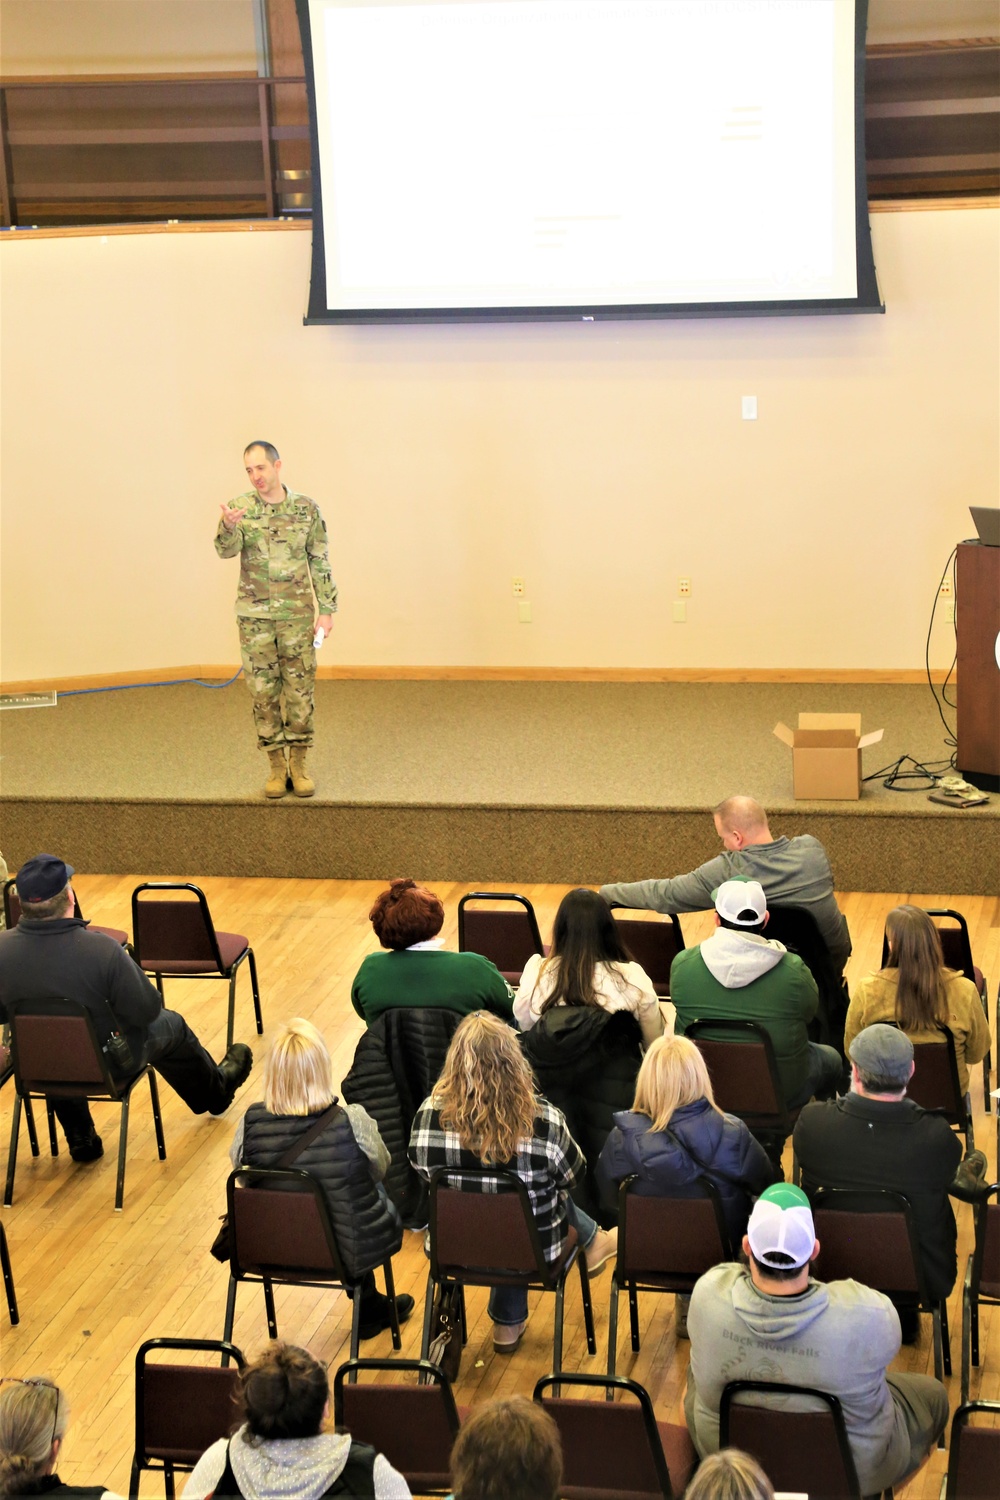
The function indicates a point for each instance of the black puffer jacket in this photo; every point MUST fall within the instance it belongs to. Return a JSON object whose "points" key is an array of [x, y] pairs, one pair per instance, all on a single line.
{"points": [[586, 1060], [366, 1226], [708, 1144], [396, 1064]]}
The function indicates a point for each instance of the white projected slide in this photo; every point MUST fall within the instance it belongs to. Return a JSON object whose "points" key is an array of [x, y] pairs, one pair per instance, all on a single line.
{"points": [[573, 153]]}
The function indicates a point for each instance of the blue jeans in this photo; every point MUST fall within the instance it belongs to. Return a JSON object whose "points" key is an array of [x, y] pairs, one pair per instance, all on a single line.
{"points": [[509, 1304], [823, 1074]]}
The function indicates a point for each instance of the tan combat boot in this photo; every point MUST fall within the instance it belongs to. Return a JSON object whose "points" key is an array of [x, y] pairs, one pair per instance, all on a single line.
{"points": [[302, 784], [277, 781]]}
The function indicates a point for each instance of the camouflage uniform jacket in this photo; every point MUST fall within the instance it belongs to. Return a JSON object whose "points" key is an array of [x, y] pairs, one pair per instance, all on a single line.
{"points": [[283, 557]]}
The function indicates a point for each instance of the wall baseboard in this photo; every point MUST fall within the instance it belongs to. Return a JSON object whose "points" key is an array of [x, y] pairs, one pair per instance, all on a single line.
{"points": [[214, 672]]}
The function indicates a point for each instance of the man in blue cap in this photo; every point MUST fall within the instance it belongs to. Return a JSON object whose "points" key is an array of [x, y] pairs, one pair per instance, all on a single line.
{"points": [[50, 955], [769, 1320]]}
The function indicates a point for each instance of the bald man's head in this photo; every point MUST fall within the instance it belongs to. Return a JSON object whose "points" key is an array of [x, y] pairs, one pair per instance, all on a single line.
{"points": [[740, 821]]}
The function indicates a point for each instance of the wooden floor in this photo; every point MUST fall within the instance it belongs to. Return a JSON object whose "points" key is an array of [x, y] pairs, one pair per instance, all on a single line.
{"points": [[92, 1284]]}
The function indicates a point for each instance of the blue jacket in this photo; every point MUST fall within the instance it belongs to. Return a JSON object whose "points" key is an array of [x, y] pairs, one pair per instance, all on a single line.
{"points": [[728, 1155]]}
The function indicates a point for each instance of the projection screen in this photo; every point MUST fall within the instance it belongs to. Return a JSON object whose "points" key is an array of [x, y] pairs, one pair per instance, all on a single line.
{"points": [[542, 159]]}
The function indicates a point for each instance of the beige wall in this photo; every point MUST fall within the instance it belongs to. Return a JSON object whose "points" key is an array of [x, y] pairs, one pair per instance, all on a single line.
{"points": [[600, 462], [126, 36]]}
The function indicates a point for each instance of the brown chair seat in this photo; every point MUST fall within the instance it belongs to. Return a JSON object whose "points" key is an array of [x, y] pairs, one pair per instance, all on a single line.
{"points": [[413, 1425], [182, 1409], [615, 1449]]}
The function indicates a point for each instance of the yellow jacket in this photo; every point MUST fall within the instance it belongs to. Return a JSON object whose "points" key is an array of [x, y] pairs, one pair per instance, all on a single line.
{"points": [[875, 1000]]}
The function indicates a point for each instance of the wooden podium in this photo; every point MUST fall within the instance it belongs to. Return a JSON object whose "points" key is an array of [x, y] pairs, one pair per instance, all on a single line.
{"points": [[977, 620]]}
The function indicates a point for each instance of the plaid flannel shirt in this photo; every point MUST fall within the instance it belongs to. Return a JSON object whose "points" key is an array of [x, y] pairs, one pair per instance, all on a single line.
{"points": [[549, 1164]]}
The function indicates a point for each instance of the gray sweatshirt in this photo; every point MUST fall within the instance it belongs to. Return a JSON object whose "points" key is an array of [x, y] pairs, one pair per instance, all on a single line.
{"points": [[837, 1337], [795, 871], [287, 1469]]}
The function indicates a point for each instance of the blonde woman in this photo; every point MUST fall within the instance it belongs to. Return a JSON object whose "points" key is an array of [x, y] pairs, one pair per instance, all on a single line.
{"points": [[484, 1112], [729, 1474], [675, 1133], [34, 1415], [348, 1158], [916, 990]]}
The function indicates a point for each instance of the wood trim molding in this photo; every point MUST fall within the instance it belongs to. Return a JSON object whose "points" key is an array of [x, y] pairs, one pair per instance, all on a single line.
{"points": [[214, 672]]}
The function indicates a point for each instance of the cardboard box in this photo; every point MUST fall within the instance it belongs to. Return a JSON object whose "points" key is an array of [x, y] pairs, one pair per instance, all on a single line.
{"points": [[826, 755]]}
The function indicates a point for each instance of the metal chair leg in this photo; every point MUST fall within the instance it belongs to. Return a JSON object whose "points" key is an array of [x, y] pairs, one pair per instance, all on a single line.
{"points": [[272, 1324], [122, 1148], [8, 1192], [557, 1333], [970, 1352], [356, 1330], [8, 1278], [231, 1018], [612, 1333], [227, 1331], [588, 1304], [425, 1339], [390, 1291], [256, 992], [50, 1115], [168, 1480], [154, 1095], [945, 1336], [633, 1315], [29, 1115]]}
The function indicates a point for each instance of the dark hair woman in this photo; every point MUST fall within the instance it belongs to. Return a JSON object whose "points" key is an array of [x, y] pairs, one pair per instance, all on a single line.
{"points": [[916, 990], [418, 970], [283, 1447], [587, 1012]]}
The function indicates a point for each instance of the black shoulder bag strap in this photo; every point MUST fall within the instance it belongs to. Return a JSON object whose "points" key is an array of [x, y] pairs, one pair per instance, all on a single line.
{"points": [[307, 1138]]}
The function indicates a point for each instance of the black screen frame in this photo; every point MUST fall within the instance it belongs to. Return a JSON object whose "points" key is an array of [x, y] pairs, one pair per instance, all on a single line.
{"points": [[868, 298]]}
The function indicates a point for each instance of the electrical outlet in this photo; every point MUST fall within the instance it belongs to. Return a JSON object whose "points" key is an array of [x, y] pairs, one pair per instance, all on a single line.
{"points": [[949, 612], [684, 588], [524, 611], [680, 612], [517, 587], [946, 591]]}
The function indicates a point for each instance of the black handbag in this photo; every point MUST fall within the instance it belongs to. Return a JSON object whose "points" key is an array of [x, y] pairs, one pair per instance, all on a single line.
{"points": [[445, 1349], [221, 1246]]}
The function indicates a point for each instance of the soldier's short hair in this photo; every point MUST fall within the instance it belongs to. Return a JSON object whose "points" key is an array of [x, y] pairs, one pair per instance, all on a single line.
{"points": [[270, 451]]}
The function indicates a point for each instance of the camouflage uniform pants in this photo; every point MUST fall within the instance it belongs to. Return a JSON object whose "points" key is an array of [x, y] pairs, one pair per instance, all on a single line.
{"points": [[279, 661]]}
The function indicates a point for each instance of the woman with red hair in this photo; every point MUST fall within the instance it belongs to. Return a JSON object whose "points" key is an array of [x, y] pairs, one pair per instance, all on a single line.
{"points": [[417, 970]]}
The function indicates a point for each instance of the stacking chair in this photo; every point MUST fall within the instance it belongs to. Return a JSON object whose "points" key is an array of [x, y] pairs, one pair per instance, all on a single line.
{"points": [[795, 926], [870, 1235], [741, 1063], [484, 1238], [8, 1277], [280, 1233], [412, 1425], [974, 1458], [956, 950], [12, 912], [935, 1084], [506, 932], [654, 942], [616, 1450], [56, 1054], [664, 1245], [982, 1281], [177, 938], [181, 1409], [796, 1449]]}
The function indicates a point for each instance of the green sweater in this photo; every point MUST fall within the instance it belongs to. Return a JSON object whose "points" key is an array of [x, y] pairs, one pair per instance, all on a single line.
{"points": [[430, 976], [783, 999]]}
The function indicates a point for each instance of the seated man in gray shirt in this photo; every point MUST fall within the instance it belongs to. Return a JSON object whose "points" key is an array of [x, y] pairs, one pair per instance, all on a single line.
{"points": [[794, 872]]}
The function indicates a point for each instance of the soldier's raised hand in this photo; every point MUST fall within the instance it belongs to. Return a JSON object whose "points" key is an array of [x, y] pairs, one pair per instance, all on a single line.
{"points": [[231, 517]]}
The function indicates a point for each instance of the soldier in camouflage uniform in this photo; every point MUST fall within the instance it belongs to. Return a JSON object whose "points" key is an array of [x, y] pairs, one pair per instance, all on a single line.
{"points": [[281, 539]]}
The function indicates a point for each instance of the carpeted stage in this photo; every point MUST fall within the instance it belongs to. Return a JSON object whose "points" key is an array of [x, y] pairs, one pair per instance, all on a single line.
{"points": [[493, 781]]}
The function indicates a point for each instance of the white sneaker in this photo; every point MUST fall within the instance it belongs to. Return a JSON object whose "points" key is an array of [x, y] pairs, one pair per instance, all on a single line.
{"points": [[602, 1248], [507, 1336]]}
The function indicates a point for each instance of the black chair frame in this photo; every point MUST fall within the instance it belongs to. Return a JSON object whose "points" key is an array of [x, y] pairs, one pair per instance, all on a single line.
{"points": [[139, 1460], [959, 1118], [961, 948], [881, 1200], [666, 1281], [959, 1422], [737, 1388], [442, 1179], [8, 1278], [972, 1294], [428, 1373], [633, 939], [738, 1033], [797, 928], [291, 1179], [229, 972], [616, 1385], [115, 1091], [510, 896]]}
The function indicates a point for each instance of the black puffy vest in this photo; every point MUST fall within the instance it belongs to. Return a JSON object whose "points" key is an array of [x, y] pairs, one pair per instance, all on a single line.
{"points": [[356, 1480], [367, 1228]]}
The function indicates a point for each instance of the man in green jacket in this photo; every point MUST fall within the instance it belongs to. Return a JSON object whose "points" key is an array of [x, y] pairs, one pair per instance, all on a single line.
{"points": [[740, 975]]}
